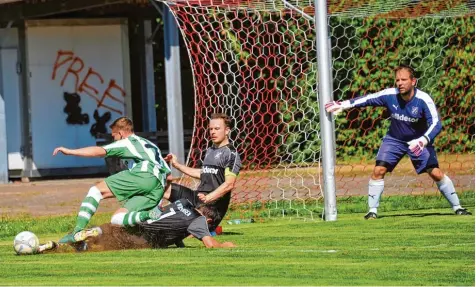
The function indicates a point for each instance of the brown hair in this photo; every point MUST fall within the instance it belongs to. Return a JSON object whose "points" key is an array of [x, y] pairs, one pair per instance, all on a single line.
{"points": [[408, 68], [123, 124], [224, 117], [210, 212]]}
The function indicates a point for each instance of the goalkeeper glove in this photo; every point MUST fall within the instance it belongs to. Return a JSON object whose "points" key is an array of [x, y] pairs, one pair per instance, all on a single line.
{"points": [[337, 107], [417, 146]]}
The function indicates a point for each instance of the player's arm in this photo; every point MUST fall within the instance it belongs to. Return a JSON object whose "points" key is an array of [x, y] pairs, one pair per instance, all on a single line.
{"points": [[223, 189], [199, 229], [432, 118], [211, 242], [430, 112], [192, 172], [92, 151], [375, 100]]}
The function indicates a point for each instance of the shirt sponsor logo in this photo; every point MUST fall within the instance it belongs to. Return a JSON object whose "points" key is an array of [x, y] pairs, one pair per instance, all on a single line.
{"points": [[183, 210], [404, 118], [414, 111], [211, 170]]}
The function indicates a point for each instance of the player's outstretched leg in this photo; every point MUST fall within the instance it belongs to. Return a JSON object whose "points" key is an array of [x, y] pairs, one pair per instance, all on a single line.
{"points": [[86, 211], [375, 192], [447, 188], [134, 217]]}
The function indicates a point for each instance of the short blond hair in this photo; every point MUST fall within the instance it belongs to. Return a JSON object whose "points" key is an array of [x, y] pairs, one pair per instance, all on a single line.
{"points": [[123, 124]]}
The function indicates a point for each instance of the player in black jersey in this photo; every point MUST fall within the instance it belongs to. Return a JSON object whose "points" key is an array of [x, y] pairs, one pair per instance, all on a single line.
{"points": [[178, 221], [218, 173]]}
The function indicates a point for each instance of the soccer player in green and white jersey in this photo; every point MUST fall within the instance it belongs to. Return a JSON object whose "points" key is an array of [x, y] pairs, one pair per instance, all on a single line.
{"points": [[139, 189]]}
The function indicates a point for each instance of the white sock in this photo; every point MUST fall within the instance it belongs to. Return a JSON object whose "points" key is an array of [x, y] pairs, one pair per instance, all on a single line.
{"points": [[375, 191], [447, 188]]}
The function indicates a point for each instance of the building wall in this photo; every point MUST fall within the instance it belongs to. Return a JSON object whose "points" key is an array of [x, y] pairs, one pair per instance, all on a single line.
{"points": [[10, 122], [8, 38], [79, 83]]}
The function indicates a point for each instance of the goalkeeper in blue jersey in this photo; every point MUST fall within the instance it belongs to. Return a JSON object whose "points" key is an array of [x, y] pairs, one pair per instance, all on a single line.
{"points": [[139, 188], [414, 124]]}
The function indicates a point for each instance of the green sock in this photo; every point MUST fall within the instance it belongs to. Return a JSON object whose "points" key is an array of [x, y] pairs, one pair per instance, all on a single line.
{"points": [[86, 211], [134, 217]]}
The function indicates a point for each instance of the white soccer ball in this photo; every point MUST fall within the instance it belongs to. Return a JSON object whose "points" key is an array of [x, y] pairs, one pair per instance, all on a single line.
{"points": [[26, 243]]}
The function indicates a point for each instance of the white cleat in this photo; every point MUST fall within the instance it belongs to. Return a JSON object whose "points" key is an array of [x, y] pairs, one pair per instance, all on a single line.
{"points": [[87, 233]]}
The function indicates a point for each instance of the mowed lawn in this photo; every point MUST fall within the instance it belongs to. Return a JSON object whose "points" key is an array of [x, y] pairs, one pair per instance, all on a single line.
{"points": [[425, 247]]}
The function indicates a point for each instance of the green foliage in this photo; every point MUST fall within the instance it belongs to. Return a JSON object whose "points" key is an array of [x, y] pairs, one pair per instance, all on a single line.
{"points": [[442, 52]]}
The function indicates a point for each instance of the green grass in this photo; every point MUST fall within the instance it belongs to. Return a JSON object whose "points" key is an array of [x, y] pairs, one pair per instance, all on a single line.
{"points": [[416, 247], [347, 204]]}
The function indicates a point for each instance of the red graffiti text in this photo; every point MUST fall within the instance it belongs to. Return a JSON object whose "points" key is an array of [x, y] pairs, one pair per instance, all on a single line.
{"points": [[92, 83]]}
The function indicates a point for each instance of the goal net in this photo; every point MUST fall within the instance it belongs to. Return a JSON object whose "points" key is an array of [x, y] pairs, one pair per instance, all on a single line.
{"points": [[257, 62]]}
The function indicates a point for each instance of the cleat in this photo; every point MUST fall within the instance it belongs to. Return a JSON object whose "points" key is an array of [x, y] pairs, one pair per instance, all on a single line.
{"points": [[371, 215], [50, 245], [155, 213], [87, 233], [180, 244], [67, 239], [462, 211], [80, 246]]}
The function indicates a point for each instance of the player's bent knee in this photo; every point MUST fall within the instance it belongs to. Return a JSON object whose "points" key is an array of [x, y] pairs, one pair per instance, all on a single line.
{"points": [[118, 219], [379, 172], [435, 173], [95, 193]]}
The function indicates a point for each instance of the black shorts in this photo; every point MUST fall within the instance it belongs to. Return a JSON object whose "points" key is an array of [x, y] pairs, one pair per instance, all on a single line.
{"points": [[178, 192]]}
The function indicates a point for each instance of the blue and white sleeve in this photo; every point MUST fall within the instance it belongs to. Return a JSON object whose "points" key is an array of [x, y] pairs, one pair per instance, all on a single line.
{"points": [[378, 99], [432, 118]]}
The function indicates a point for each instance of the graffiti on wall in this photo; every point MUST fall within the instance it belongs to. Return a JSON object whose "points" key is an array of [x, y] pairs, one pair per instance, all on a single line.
{"points": [[100, 125], [73, 110], [91, 83]]}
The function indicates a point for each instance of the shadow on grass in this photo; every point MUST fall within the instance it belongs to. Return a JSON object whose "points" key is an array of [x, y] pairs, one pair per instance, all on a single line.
{"points": [[231, 233], [416, 215]]}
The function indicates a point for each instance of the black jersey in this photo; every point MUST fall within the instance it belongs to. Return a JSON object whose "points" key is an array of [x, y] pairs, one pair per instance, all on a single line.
{"points": [[219, 162], [178, 220]]}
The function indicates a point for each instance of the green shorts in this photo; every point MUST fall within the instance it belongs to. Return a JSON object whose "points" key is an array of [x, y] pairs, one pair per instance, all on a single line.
{"points": [[136, 191]]}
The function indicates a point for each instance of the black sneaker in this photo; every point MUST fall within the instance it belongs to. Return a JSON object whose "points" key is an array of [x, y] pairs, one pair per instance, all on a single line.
{"points": [[371, 215], [180, 244], [462, 211]]}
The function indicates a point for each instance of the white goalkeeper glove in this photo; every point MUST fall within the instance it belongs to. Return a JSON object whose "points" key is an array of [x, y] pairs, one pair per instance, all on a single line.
{"points": [[336, 107], [417, 146]]}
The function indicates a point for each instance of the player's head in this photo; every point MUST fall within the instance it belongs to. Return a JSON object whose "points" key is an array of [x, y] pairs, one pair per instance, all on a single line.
{"points": [[219, 128], [405, 79], [210, 212], [121, 128]]}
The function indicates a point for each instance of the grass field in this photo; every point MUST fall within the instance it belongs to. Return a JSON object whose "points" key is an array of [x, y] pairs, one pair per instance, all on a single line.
{"points": [[404, 247]]}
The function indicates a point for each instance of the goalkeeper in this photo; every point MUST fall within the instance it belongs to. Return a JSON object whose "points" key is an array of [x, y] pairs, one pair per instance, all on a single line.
{"points": [[414, 124]]}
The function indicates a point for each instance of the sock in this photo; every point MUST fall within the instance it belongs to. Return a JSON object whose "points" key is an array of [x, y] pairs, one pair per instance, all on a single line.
{"points": [[88, 208], [130, 218], [447, 188], [375, 191]]}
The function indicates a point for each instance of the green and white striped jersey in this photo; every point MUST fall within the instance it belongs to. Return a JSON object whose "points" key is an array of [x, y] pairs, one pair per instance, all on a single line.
{"points": [[142, 156]]}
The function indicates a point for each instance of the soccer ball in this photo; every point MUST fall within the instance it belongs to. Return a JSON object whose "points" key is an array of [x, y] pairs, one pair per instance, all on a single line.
{"points": [[26, 243]]}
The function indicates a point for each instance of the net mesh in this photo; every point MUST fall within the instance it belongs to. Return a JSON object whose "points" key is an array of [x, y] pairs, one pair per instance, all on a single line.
{"points": [[257, 62]]}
